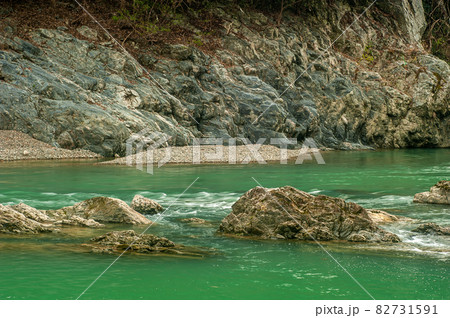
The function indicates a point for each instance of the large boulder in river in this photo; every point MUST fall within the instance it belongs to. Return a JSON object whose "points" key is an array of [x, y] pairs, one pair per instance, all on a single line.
{"points": [[145, 205], [14, 222], [288, 213], [104, 210], [439, 194]]}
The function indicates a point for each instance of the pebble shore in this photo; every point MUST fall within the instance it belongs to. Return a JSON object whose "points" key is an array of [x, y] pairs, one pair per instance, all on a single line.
{"points": [[15, 145], [214, 154]]}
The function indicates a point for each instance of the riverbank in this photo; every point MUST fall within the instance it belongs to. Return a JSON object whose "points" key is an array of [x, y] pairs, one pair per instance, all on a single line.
{"points": [[219, 154], [15, 145]]}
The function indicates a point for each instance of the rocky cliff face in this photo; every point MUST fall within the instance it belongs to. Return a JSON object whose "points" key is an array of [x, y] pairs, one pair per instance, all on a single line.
{"points": [[374, 87]]}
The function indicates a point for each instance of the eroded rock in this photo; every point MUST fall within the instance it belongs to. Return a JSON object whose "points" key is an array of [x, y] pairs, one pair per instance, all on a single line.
{"points": [[32, 213], [289, 213], [438, 194], [14, 222], [145, 205]]}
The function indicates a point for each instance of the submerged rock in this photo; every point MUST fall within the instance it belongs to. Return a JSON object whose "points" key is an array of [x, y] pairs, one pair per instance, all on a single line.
{"points": [[120, 241], [53, 217], [145, 205], [432, 228], [104, 209], [14, 222], [288, 213], [439, 194], [195, 221]]}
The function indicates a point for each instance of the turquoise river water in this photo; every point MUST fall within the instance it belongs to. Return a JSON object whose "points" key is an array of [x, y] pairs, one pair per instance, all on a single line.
{"points": [[54, 266]]}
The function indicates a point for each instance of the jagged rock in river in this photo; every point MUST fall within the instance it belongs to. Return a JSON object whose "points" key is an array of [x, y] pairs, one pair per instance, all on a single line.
{"points": [[22, 218], [439, 194], [104, 210], [288, 213], [53, 217], [32, 213], [145, 205], [432, 228], [378, 88], [119, 241], [14, 222]]}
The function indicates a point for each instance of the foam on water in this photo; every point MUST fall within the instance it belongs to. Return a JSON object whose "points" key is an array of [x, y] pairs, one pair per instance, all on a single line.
{"points": [[214, 206], [385, 201]]}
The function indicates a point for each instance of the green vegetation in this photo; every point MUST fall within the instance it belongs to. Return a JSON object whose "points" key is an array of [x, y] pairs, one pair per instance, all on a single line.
{"points": [[147, 16], [368, 53], [151, 16]]}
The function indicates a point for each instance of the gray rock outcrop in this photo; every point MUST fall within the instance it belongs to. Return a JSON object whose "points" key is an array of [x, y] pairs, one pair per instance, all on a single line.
{"points": [[438, 194], [288, 213], [376, 87]]}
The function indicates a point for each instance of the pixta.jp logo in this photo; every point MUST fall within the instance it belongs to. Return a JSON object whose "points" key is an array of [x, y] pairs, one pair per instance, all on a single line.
{"points": [[146, 148]]}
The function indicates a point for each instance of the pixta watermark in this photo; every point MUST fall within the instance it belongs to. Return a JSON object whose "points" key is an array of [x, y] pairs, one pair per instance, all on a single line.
{"points": [[148, 148]]}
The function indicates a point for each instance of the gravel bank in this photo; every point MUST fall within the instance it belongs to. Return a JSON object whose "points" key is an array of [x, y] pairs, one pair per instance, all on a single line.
{"points": [[217, 154], [15, 145]]}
